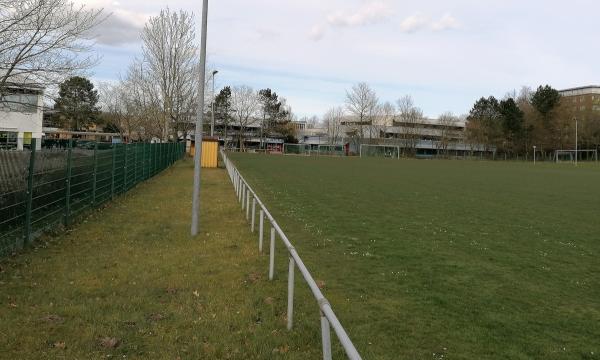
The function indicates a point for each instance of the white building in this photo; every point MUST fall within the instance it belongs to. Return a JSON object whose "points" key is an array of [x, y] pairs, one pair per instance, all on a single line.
{"points": [[426, 137], [21, 115]]}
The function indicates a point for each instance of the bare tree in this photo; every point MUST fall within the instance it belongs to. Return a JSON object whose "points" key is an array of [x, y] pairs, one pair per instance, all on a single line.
{"points": [[387, 116], [361, 102], [143, 104], [169, 56], [332, 120], [313, 122], [43, 42], [448, 132], [409, 117], [244, 101], [112, 103]]}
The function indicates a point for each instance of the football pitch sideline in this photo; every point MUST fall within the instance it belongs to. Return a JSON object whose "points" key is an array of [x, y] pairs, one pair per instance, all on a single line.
{"points": [[446, 259]]}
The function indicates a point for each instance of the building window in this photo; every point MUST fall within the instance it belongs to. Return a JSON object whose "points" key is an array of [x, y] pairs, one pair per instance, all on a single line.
{"points": [[8, 140], [582, 108], [596, 108], [26, 103]]}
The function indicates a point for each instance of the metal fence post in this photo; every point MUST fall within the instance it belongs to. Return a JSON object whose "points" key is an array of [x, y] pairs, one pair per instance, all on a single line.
{"points": [[29, 203], [272, 255], [244, 191], [95, 174], [112, 171], [290, 309], [326, 337], [68, 183], [125, 171], [135, 162], [143, 161], [247, 205], [253, 212], [261, 220], [243, 197]]}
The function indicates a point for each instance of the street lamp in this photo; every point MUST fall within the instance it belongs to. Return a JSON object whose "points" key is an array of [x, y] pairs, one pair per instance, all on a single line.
{"points": [[534, 147], [212, 125], [199, 124]]}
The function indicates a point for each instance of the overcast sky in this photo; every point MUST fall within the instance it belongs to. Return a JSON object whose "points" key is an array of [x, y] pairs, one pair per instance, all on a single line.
{"points": [[446, 54]]}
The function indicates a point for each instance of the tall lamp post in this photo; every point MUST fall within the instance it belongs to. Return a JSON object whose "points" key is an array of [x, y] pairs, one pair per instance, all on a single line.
{"points": [[534, 147], [212, 124], [199, 125]]}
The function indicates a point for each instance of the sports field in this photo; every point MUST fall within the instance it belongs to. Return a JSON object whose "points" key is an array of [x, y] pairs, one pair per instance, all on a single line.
{"points": [[446, 259]]}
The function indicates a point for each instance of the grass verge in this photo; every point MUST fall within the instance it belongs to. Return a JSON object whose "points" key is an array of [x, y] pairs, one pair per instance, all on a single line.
{"points": [[129, 282]]}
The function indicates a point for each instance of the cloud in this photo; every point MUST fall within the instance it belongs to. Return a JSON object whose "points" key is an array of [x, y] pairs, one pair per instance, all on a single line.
{"points": [[418, 22], [447, 22], [372, 12], [117, 30], [414, 23], [317, 32]]}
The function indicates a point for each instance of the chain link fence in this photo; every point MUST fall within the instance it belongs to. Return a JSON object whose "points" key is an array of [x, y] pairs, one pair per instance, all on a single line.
{"points": [[43, 189]]}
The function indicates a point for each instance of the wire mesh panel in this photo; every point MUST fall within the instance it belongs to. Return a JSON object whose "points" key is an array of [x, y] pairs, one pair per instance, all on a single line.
{"points": [[384, 151], [13, 194], [297, 149], [48, 189], [332, 150], [41, 189]]}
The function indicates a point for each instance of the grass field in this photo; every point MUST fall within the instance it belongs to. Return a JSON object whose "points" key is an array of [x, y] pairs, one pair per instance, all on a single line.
{"points": [[446, 259]]}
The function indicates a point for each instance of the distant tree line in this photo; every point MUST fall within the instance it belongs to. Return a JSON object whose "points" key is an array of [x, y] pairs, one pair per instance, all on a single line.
{"points": [[540, 118], [364, 118], [242, 107]]}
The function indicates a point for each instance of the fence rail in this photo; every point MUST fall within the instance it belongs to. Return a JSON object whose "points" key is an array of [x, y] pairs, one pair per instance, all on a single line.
{"points": [[245, 193], [41, 189]]}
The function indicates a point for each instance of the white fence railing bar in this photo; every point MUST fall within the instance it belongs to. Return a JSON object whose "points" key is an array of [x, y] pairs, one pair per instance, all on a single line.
{"points": [[244, 193]]}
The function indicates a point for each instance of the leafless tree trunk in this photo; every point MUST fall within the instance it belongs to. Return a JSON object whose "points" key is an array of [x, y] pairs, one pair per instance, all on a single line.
{"points": [[409, 117], [244, 101], [169, 55], [386, 118], [43, 42], [332, 120], [447, 122], [361, 102]]}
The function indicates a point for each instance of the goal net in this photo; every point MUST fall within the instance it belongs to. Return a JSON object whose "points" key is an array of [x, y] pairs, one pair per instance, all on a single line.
{"points": [[332, 150], [573, 155], [385, 151], [296, 149]]}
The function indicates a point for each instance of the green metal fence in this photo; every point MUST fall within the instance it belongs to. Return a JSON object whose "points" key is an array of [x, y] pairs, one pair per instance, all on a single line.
{"points": [[43, 189]]}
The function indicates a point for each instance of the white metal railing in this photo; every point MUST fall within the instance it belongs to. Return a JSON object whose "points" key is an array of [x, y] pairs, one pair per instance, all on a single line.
{"points": [[244, 193]]}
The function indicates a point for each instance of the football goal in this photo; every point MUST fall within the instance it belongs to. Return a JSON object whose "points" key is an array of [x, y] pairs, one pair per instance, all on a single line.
{"points": [[332, 150], [297, 149], [575, 155], [387, 151]]}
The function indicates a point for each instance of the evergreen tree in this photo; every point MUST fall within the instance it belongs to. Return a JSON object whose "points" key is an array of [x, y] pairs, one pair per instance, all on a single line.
{"points": [[223, 109], [77, 104], [545, 100], [513, 120]]}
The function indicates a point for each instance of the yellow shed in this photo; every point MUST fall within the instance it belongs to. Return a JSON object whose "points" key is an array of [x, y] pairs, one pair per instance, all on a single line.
{"points": [[210, 152]]}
